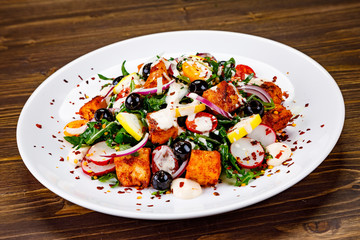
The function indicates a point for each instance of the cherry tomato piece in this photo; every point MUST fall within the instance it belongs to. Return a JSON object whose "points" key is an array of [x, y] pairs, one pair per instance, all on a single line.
{"points": [[241, 70], [202, 122]]}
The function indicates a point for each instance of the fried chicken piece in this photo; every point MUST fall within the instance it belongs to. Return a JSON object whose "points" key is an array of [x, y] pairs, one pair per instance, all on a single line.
{"points": [[134, 170], [225, 96], [277, 118], [157, 71], [88, 110], [274, 91], [204, 167]]}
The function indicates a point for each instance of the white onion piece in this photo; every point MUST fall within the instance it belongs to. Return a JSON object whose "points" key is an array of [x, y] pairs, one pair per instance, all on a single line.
{"points": [[181, 169], [264, 134], [145, 91], [209, 104], [130, 150], [256, 90]]}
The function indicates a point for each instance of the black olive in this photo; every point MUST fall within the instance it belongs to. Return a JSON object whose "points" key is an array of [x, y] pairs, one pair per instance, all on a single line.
{"points": [[198, 86], [103, 113], [117, 80], [182, 150], [146, 70], [162, 180], [254, 107], [134, 101], [181, 121]]}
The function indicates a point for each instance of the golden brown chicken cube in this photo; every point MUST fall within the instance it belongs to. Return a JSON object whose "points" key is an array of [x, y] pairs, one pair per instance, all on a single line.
{"points": [[274, 91], [157, 134], [277, 118], [204, 167], [156, 72], [88, 110], [224, 95], [134, 170]]}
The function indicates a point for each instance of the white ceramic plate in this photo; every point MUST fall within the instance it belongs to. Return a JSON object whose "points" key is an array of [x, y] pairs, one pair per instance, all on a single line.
{"points": [[56, 100]]}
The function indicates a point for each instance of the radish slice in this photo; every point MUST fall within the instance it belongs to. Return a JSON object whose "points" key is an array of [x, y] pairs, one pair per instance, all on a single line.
{"points": [[146, 91], [130, 150], [181, 169], [96, 151], [248, 152], [258, 91], [264, 134], [280, 152], [209, 104], [92, 169]]}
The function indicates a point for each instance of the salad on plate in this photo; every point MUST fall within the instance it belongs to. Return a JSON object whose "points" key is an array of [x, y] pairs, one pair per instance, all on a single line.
{"points": [[180, 124]]}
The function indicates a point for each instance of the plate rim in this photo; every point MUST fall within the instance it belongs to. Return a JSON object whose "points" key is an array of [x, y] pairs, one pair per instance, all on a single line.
{"points": [[167, 216]]}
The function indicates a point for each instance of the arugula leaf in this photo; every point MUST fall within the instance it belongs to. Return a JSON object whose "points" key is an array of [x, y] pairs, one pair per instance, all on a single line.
{"points": [[154, 103], [248, 78], [102, 77], [123, 69], [229, 69]]}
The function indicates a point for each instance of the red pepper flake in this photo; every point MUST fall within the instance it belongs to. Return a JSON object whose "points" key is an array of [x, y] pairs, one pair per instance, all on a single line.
{"points": [[301, 132], [267, 131], [288, 171], [50, 154], [307, 104], [77, 152], [181, 184], [245, 158], [253, 154], [293, 149], [66, 81], [322, 125], [295, 142], [128, 189], [253, 186], [253, 143], [279, 155], [78, 85], [38, 125], [77, 178], [92, 78], [274, 78], [80, 77], [290, 164], [53, 136], [139, 204], [61, 159], [121, 192], [72, 172], [309, 141], [167, 201], [216, 194], [308, 129], [150, 205], [76, 167], [301, 147], [60, 140], [100, 188], [139, 192]]}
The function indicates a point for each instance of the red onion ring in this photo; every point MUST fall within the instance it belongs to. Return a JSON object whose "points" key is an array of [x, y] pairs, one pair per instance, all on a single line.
{"points": [[256, 90], [209, 104], [146, 91], [110, 90], [130, 150], [181, 169]]}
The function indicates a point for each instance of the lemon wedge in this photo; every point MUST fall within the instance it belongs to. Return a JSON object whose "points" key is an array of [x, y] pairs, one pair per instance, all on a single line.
{"points": [[132, 124], [126, 81], [244, 127], [188, 110]]}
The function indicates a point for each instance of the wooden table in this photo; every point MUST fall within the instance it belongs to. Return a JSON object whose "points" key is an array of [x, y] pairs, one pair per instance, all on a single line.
{"points": [[39, 37]]}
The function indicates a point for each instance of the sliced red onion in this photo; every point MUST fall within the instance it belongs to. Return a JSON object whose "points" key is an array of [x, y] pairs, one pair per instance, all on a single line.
{"points": [[209, 104], [146, 91], [110, 91], [181, 169], [256, 90], [130, 150], [204, 55]]}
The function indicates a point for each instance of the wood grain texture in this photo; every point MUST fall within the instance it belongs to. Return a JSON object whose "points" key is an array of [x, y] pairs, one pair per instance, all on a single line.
{"points": [[40, 36]]}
